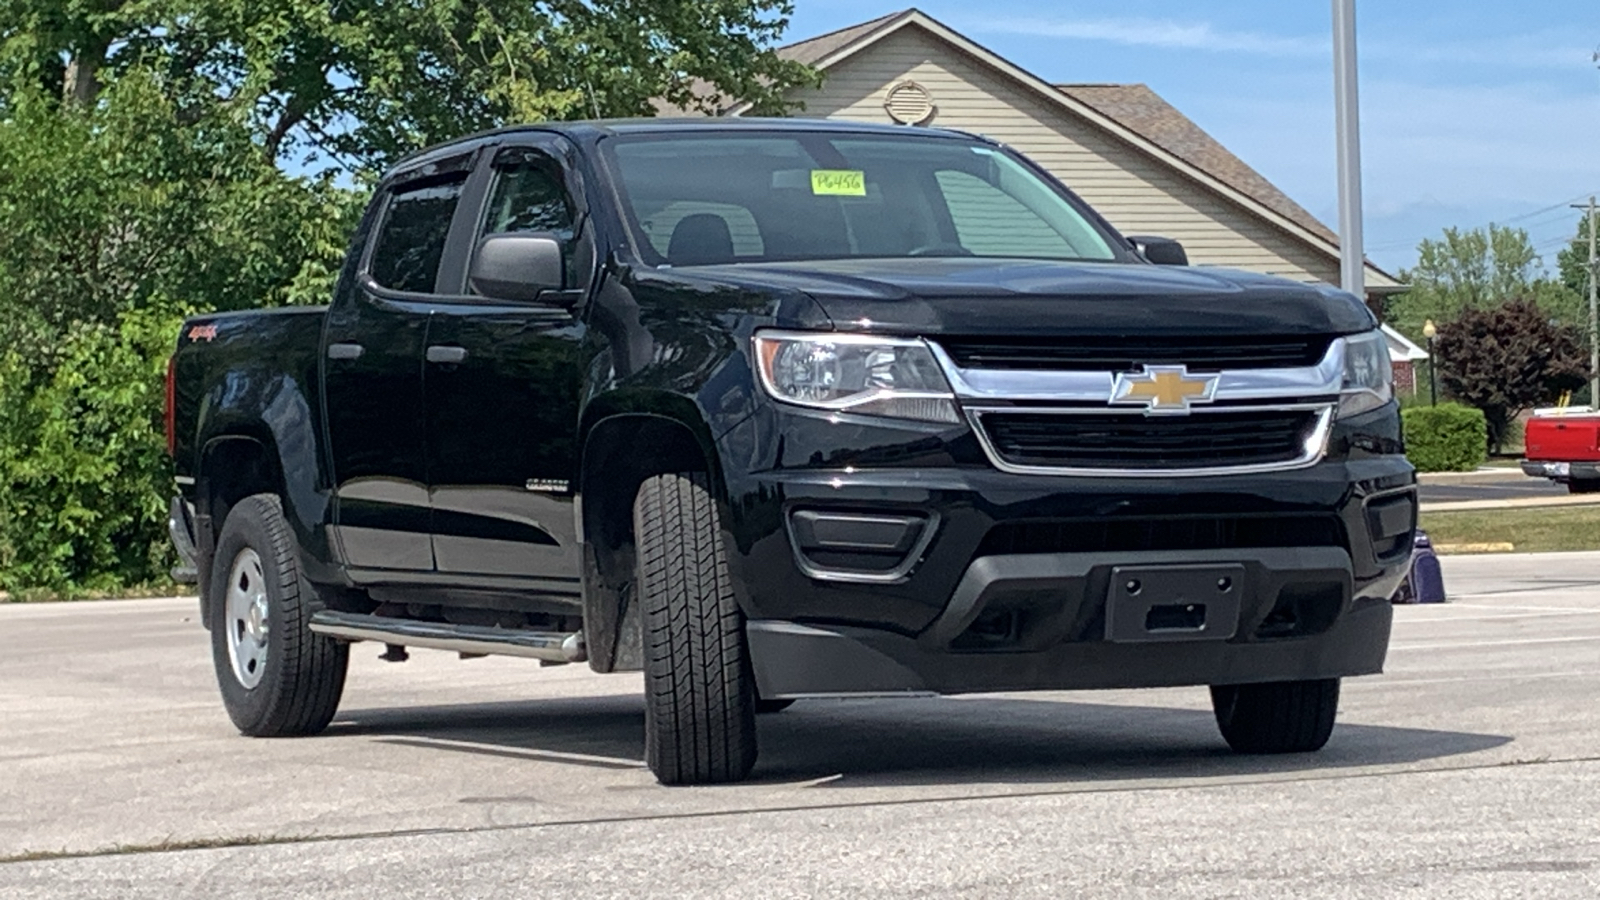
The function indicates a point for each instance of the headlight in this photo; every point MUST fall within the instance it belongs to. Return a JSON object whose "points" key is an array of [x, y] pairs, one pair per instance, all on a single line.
{"points": [[1368, 377], [855, 373]]}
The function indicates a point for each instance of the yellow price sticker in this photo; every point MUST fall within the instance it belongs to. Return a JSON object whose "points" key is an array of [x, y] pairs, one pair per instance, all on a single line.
{"points": [[838, 183]]}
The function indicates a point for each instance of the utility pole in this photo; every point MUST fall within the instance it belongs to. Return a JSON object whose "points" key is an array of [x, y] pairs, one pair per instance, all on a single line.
{"points": [[1594, 319], [1347, 116], [1594, 315]]}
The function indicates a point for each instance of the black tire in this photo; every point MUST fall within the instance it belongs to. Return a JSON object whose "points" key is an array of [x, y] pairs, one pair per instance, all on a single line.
{"points": [[700, 694], [1278, 717], [299, 675], [1584, 486], [767, 707]]}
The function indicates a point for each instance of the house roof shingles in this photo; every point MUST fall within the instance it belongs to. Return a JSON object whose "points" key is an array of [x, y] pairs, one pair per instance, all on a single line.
{"points": [[814, 50], [1142, 111]]}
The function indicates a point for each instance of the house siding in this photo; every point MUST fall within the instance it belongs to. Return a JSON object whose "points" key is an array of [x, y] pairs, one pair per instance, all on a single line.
{"points": [[1134, 190]]}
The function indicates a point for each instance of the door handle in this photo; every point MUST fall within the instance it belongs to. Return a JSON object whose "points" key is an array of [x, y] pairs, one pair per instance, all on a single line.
{"points": [[445, 355], [345, 351]]}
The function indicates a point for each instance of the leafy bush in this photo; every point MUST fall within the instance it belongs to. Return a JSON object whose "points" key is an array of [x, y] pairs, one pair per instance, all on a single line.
{"points": [[83, 466], [1445, 438], [120, 218]]}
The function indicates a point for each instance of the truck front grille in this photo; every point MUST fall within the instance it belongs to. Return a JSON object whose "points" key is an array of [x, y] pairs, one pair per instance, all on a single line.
{"points": [[1116, 535], [1125, 354], [1134, 442]]}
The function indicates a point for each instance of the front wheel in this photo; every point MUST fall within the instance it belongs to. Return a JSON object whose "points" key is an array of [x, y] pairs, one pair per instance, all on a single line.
{"points": [[700, 696], [277, 677], [1277, 717]]}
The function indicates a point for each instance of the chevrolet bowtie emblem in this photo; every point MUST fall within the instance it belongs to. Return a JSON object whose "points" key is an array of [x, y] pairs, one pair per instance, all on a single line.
{"points": [[1164, 390]]}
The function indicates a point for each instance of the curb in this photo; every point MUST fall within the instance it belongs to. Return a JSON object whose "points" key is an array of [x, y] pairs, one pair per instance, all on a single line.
{"points": [[1496, 474], [1511, 503]]}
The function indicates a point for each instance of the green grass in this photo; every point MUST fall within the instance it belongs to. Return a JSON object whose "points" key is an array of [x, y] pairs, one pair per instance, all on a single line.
{"points": [[1530, 530], [135, 592]]}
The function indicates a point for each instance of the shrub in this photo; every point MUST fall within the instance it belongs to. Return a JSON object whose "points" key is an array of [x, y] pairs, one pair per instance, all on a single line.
{"points": [[1445, 438], [84, 474]]}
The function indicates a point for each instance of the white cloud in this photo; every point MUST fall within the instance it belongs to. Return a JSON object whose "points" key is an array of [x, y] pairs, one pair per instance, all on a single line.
{"points": [[1551, 50], [1143, 32]]}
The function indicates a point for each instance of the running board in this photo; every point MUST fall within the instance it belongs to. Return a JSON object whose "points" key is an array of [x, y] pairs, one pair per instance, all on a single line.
{"points": [[472, 639]]}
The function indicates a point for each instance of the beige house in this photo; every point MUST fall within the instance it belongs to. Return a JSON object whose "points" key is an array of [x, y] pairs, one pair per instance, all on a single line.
{"points": [[1131, 155]]}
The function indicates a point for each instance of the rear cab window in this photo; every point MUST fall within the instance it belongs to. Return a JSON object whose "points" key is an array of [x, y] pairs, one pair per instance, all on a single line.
{"points": [[410, 239]]}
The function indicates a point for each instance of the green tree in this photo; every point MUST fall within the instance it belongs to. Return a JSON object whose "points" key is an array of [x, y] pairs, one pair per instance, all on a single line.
{"points": [[154, 160], [1573, 262], [1507, 359], [1478, 268], [364, 82]]}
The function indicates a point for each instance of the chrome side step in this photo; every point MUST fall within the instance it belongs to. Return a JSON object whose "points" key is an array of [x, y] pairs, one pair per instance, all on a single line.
{"points": [[471, 639]]}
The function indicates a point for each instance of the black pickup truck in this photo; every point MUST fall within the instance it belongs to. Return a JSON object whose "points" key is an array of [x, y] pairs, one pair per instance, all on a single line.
{"points": [[778, 409]]}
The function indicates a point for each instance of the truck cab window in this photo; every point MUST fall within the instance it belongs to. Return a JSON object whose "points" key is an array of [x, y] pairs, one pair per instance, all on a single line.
{"points": [[411, 240]]}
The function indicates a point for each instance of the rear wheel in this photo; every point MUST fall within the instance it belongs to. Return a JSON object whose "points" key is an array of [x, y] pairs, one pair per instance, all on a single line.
{"points": [[1584, 486], [277, 677], [1277, 717], [700, 698]]}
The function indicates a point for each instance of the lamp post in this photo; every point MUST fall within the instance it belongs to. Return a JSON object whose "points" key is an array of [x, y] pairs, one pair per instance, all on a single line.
{"points": [[1429, 332]]}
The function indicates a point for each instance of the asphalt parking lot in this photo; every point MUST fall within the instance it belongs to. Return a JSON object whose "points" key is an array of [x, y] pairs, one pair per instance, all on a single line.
{"points": [[1512, 486], [1470, 769]]}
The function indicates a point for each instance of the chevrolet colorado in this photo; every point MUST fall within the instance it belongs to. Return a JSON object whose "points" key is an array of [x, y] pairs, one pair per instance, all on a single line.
{"points": [[778, 409]]}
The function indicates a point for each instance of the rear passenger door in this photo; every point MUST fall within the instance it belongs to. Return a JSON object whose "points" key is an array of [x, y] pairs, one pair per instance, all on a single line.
{"points": [[373, 359], [502, 386]]}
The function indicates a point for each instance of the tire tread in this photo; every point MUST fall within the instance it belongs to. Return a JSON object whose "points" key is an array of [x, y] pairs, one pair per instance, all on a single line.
{"points": [[1277, 717], [700, 726]]}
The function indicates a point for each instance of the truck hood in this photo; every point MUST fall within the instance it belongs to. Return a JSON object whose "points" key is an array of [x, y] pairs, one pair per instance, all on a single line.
{"points": [[988, 296]]}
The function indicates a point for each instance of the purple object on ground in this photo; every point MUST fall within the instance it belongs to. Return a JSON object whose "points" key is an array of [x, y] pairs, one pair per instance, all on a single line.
{"points": [[1426, 582]]}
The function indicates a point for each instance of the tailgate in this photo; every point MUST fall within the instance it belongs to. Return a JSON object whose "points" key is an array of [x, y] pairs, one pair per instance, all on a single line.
{"points": [[1563, 439]]}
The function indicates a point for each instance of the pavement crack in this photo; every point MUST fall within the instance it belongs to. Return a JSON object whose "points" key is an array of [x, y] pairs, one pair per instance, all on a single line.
{"points": [[227, 843]]}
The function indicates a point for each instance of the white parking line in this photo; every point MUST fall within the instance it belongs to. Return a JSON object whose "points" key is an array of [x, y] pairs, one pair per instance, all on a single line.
{"points": [[1453, 645], [1388, 681], [1507, 606], [1513, 615]]}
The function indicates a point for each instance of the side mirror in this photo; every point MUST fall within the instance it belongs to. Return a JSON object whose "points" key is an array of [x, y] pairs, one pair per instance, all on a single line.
{"points": [[1159, 250], [518, 266]]}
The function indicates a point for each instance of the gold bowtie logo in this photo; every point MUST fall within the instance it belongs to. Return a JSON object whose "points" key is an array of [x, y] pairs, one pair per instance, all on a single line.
{"points": [[1164, 389]]}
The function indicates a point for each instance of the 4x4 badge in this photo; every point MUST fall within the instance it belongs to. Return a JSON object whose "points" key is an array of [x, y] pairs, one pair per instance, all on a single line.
{"points": [[1164, 390]]}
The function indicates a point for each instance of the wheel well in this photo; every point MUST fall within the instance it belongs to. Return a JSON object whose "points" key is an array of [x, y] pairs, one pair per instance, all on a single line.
{"points": [[233, 469], [619, 454]]}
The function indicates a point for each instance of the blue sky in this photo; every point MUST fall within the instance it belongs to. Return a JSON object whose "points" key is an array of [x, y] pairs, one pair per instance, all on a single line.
{"points": [[1470, 112]]}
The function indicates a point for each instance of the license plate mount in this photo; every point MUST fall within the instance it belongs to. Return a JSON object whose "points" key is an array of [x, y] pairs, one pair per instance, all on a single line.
{"points": [[1174, 603]]}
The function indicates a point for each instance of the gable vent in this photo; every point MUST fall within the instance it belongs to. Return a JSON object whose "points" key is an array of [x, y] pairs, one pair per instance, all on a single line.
{"points": [[909, 104]]}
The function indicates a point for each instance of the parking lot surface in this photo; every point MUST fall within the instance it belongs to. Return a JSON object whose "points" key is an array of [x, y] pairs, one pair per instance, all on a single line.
{"points": [[1514, 487], [1470, 769]]}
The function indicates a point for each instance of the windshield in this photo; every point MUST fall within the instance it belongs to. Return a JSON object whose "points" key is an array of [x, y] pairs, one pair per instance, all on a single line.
{"points": [[722, 198]]}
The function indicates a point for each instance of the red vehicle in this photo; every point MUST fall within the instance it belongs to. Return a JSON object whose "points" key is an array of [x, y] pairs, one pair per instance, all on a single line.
{"points": [[1564, 446]]}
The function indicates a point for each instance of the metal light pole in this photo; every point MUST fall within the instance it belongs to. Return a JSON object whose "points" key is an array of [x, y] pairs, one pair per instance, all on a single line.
{"points": [[1594, 319], [1429, 332], [1347, 115]]}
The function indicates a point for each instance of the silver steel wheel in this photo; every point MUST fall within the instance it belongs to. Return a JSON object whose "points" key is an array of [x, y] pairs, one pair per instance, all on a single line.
{"points": [[246, 618]]}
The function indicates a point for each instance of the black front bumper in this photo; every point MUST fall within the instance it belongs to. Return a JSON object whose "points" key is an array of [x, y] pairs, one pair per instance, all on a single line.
{"points": [[1072, 643], [1010, 575]]}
